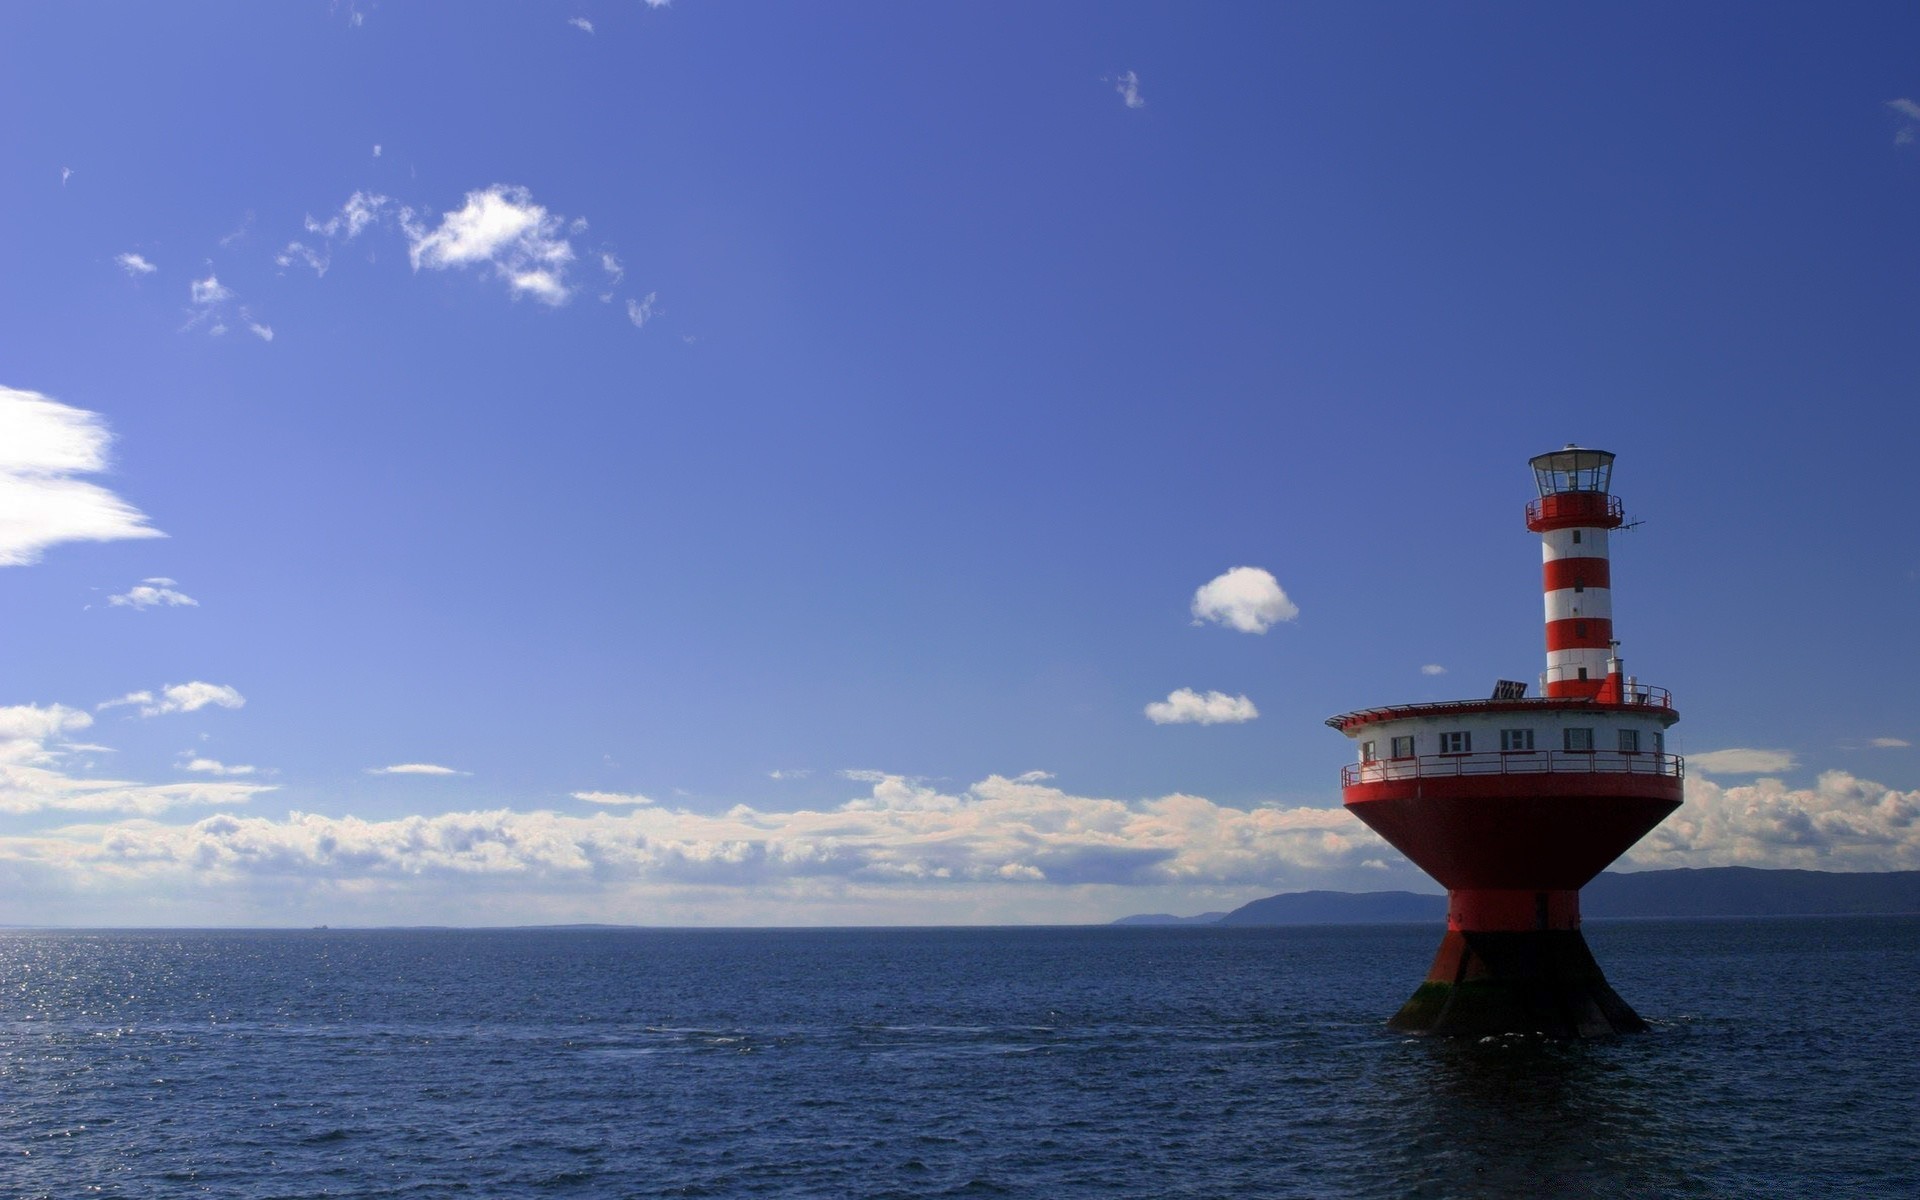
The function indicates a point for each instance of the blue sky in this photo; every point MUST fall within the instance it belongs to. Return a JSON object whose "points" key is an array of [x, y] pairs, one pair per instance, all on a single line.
{"points": [[763, 458]]}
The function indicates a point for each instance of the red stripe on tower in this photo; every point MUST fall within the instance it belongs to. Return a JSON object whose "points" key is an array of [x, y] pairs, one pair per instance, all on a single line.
{"points": [[1572, 517]]}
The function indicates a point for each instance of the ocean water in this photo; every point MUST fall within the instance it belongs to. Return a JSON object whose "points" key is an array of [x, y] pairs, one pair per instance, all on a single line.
{"points": [[959, 1062]]}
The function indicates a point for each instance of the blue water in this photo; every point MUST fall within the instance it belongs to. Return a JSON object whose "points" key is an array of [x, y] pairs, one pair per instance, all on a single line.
{"points": [[993, 1062]]}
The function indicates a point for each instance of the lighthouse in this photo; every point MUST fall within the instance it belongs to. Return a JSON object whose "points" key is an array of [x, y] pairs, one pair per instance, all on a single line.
{"points": [[1515, 802]]}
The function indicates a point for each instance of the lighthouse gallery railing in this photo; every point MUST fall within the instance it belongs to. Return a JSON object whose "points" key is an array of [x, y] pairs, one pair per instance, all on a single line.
{"points": [[1518, 762]]}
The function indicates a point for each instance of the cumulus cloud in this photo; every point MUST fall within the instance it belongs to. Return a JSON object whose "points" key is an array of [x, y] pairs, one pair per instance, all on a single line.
{"points": [[152, 593], [1433, 669], [179, 698], [414, 769], [135, 264], [1841, 823], [1188, 707], [502, 228], [43, 445], [1127, 83], [1245, 598], [33, 744], [1742, 762], [997, 831], [613, 798]]}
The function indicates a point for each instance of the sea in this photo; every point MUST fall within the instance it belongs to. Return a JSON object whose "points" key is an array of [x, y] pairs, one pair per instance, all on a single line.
{"points": [[1784, 1060]]}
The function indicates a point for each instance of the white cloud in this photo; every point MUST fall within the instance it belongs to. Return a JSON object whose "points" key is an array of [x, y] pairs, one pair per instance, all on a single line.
{"points": [[414, 769], [1188, 707], [789, 773], [613, 798], [1742, 762], [43, 444], [1889, 743], [209, 290], [864, 776], [1433, 669], [32, 744], [209, 766], [1905, 107], [581, 23], [902, 836], [152, 593], [376, 149], [66, 173], [1128, 85], [1842, 823], [135, 264], [361, 210], [1245, 598], [501, 227], [263, 332], [610, 263], [659, 3], [179, 698], [641, 311], [300, 252]]}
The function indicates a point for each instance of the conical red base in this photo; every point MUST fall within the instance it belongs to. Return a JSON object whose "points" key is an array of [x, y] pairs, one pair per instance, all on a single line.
{"points": [[1531, 981]]}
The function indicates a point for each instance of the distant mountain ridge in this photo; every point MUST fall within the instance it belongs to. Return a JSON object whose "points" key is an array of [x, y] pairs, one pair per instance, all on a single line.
{"points": [[1679, 892]]}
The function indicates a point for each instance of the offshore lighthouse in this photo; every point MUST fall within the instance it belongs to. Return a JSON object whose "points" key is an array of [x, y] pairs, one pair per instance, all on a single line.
{"points": [[1516, 802]]}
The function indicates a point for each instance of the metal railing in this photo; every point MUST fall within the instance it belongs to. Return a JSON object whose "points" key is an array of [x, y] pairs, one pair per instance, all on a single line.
{"points": [[1516, 762], [1570, 504]]}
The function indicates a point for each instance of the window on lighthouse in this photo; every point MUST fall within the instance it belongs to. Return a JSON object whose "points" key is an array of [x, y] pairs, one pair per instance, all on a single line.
{"points": [[1576, 537], [1367, 751], [1403, 747], [1629, 741], [1579, 739], [1512, 740], [1458, 742]]}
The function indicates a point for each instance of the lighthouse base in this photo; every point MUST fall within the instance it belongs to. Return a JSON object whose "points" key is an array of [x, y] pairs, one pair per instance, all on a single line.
{"points": [[1527, 981]]}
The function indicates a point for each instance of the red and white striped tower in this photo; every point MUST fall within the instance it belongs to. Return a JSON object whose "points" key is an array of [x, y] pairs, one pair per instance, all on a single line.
{"points": [[1572, 517]]}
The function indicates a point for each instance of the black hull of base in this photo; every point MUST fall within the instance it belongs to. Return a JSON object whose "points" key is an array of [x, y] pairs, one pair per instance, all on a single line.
{"points": [[1544, 981]]}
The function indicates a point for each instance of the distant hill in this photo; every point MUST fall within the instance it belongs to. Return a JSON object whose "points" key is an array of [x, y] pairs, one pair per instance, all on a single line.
{"points": [[1682, 892], [1208, 918], [1750, 892]]}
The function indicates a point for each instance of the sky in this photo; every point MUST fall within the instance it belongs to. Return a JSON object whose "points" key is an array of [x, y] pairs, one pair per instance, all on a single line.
{"points": [[724, 464]]}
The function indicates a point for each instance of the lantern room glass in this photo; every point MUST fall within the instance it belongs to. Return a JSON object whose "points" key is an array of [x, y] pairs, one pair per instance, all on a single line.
{"points": [[1573, 469]]}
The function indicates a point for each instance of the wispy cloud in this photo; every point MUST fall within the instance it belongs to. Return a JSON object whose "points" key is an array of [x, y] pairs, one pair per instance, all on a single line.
{"points": [[414, 769], [1904, 136], [1889, 743], [1188, 707], [1433, 669], [641, 311], [1248, 599], [1127, 83], [629, 799], [209, 290], [34, 743], [211, 766], [789, 773], [135, 265], [499, 227], [1742, 762], [178, 698], [44, 444], [152, 593], [581, 23]]}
